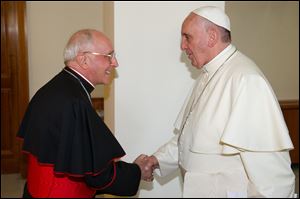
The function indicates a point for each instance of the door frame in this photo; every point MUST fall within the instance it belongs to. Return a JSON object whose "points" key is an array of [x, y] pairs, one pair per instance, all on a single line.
{"points": [[17, 35]]}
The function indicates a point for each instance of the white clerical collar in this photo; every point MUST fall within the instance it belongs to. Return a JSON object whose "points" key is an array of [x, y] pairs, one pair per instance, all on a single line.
{"points": [[217, 61], [82, 77]]}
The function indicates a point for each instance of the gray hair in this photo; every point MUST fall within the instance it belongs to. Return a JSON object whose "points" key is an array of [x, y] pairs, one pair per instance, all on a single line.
{"points": [[224, 33], [79, 41]]}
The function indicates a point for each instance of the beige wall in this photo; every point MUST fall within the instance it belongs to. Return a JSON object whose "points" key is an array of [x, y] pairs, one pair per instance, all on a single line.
{"points": [[268, 32], [109, 91], [49, 26]]}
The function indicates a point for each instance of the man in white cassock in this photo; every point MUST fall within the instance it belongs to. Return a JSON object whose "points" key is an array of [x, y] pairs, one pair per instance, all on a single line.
{"points": [[232, 139]]}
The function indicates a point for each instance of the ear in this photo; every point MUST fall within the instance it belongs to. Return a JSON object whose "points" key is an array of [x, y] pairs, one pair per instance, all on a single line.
{"points": [[213, 37], [81, 61]]}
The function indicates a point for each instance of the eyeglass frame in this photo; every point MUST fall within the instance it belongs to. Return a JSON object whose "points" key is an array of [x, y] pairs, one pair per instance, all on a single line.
{"points": [[111, 55]]}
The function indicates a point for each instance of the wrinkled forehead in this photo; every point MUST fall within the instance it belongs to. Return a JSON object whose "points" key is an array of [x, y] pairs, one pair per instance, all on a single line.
{"points": [[102, 42]]}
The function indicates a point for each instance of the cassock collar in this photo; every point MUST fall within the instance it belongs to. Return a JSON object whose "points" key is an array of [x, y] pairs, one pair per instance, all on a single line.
{"points": [[88, 86], [211, 67]]}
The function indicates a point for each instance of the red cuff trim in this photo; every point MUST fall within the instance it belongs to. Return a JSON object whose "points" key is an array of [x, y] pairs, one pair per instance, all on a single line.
{"points": [[112, 180]]}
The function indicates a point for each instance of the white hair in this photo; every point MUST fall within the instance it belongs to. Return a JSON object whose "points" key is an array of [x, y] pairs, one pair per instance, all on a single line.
{"points": [[79, 41]]}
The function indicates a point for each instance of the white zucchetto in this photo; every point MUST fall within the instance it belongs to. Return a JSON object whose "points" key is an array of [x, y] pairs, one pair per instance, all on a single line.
{"points": [[215, 15]]}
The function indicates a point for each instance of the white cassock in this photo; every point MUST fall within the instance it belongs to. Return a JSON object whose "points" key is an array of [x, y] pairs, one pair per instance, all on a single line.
{"points": [[232, 139]]}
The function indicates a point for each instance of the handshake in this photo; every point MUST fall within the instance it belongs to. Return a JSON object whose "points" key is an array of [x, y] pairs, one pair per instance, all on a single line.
{"points": [[147, 165]]}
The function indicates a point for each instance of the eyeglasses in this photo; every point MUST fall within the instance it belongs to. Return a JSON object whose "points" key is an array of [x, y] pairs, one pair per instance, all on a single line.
{"points": [[111, 55]]}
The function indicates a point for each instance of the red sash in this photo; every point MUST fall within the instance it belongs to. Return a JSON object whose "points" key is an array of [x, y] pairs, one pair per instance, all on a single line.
{"points": [[44, 183]]}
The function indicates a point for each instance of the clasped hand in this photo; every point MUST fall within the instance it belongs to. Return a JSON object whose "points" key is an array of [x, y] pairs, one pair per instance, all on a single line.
{"points": [[147, 165]]}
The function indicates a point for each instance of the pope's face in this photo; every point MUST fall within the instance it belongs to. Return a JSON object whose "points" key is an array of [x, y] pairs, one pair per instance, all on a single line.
{"points": [[194, 40]]}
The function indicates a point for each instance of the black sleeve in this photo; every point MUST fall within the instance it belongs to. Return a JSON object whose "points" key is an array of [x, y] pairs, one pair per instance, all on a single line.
{"points": [[119, 178]]}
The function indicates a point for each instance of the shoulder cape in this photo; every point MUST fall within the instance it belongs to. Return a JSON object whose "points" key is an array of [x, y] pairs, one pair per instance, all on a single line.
{"points": [[61, 128]]}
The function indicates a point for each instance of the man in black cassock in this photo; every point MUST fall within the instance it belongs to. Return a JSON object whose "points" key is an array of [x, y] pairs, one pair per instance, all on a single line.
{"points": [[71, 152]]}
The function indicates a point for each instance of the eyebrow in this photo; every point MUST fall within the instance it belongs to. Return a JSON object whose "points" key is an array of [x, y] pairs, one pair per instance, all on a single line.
{"points": [[111, 52], [186, 35]]}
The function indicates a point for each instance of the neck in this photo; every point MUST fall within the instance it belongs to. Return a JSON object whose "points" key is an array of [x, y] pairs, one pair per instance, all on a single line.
{"points": [[82, 74]]}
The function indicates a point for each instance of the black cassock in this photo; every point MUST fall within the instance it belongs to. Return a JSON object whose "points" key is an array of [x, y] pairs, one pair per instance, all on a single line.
{"points": [[60, 127]]}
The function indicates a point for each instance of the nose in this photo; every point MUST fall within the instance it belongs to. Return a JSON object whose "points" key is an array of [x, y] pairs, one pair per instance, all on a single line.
{"points": [[114, 62], [183, 44]]}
